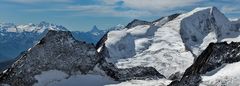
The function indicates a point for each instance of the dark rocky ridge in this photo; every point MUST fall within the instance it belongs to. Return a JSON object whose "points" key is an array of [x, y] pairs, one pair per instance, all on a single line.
{"points": [[214, 56], [140, 73], [136, 22], [170, 17], [58, 50]]}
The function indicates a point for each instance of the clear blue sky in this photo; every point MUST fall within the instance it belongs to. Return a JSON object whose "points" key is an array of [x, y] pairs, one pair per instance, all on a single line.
{"points": [[83, 14]]}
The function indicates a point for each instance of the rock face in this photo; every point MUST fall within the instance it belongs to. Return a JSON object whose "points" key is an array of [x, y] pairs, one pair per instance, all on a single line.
{"points": [[163, 20], [58, 50], [215, 56], [137, 22], [139, 73]]}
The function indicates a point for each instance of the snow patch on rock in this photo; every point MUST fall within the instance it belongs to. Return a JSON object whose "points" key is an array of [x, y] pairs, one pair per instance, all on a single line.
{"points": [[59, 78]]}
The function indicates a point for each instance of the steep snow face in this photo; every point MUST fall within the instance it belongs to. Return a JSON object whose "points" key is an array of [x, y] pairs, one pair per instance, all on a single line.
{"points": [[204, 25], [120, 45]]}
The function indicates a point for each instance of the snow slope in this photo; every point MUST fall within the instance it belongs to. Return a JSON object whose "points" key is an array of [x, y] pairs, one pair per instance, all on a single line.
{"points": [[120, 44], [160, 82], [166, 51], [228, 75], [170, 46]]}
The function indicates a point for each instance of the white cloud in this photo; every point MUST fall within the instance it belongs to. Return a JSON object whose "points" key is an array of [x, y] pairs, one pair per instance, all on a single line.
{"points": [[230, 9], [109, 2], [157, 5], [107, 11], [135, 8], [227, 9], [37, 1], [97, 10]]}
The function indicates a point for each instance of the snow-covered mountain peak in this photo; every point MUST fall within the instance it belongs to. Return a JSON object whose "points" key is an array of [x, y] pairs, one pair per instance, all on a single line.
{"points": [[43, 23], [212, 11], [39, 28], [94, 29], [170, 43], [204, 25]]}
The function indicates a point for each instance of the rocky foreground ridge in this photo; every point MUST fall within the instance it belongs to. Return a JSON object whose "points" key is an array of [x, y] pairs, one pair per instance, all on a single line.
{"points": [[58, 50]]}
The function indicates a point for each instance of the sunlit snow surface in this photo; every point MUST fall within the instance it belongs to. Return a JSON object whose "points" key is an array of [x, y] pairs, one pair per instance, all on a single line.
{"points": [[170, 47], [160, 82], [229, 75]]}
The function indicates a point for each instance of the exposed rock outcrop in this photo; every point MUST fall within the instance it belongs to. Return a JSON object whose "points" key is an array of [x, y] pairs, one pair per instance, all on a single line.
{"points": [[137, 22]]}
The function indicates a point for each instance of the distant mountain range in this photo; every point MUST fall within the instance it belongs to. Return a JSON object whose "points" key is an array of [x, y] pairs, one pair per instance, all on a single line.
{"points": [[15, 39], [196, 48]]}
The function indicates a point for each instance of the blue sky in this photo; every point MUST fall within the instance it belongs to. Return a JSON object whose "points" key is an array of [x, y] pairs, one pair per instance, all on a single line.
{"points": [[81, 15]]}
